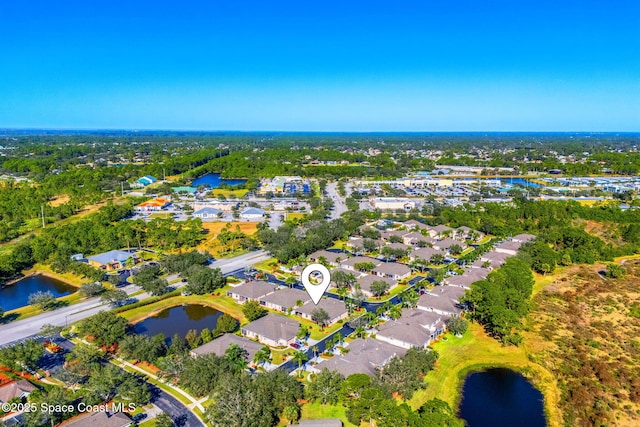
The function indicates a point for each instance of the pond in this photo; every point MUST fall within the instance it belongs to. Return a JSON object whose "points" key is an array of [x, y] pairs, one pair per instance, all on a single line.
{"points": [[501, 397], [17, 295], [213, 180], [179, 320]]}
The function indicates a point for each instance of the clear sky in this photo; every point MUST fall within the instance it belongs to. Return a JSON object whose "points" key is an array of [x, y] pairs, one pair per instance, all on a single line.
{"points": [[346, 65]]}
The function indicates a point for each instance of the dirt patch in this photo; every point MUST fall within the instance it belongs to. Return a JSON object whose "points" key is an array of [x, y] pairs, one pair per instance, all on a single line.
{"points": [[59, 200], [213, 229]]}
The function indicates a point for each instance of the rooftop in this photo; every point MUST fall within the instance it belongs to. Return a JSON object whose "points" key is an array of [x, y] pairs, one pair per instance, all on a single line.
{"points": [[220, 345], [364, 356], [274, 327], [254, 290]]}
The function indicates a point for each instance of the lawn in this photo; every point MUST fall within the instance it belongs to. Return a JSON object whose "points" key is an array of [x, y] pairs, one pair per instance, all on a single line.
{"points": [[475, 351], [314, 411], [395, 291], [269, 265], [290, 216]]}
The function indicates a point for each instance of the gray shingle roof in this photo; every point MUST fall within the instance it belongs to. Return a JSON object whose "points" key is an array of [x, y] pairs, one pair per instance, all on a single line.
{"points": [[392, 268], [99, 419], [366, 281], [221, 344], [364, 356], [332, 306], [254, 290], [286, 297], [274, 327]]}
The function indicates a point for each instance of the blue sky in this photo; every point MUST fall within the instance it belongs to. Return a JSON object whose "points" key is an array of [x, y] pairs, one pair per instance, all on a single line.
{"points": [[445, 65]]}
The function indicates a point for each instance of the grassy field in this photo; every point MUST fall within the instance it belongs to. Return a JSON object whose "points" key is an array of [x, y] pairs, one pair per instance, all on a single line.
{"points": [[294, 215], [475, 351], [229, 194]]}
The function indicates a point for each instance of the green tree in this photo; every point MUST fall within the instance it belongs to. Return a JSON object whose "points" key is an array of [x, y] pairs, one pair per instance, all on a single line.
{"points": [[114, 297], [205, 336], [320, 316], [193, 339], [379, 288], [106, 328], [203, 280], [253, 311], [325, 388], [227, 323], [164, 420], [457, 325], [300, 358], [42, 300], [262, 356], [615, 271], [91, 289], [291, 413], [236, 356]]}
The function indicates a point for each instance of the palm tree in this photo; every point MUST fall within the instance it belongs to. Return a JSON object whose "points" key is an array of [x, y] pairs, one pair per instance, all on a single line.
{"points": [[315, 350], [262, 356], [359, 332], [410, 298], [395, 312], [291, 413], [300, 357], [342, 292]]}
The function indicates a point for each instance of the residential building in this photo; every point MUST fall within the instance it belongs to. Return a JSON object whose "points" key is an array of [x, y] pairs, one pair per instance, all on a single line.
{"points": [[251, 291], [415, 328], [414, 238], [509, 247], [413, 224], [425, 254], [335, 309], [465, 280], [392, 270], [113, 260], [446, 244], [349, 263], [365, 282], [364, 357], [99, 419], [440, 231], [273, 330], [440, 303], [252, 213], [220, 345], [523, 238], [285, 299], [15, 389], [333, 258]]}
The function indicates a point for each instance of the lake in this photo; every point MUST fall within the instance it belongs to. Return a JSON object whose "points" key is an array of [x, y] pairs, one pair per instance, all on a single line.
{"points": [[213, 180], [17, 295], [501, 397], [179, 320]]}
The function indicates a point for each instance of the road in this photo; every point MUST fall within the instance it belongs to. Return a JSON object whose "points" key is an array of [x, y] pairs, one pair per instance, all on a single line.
{"points": [[21, 329], [339, 206]]}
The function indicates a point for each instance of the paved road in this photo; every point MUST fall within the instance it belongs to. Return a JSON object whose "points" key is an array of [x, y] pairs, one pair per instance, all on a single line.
{"points": [[15, 331], [339, 206]]}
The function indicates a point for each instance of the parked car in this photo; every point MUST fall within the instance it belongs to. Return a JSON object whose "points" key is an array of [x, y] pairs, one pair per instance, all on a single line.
{"points": [[295, 345]]}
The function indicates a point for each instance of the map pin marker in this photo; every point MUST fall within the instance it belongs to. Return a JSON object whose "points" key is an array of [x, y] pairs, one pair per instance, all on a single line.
{"points": [[315, 291]]}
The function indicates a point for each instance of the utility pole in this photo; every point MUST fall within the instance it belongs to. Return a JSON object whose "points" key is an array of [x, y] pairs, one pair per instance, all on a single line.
{"points": [[122, 187], [42, 214]]}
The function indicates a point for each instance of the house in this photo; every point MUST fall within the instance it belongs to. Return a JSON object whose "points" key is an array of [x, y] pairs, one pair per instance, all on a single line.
{"points": [[464, 232], [16, 389], [207, 213], [415, 328], [392, 270], [285, 299], [356, 245], [440, 231], [364, 357], [113, 260], [99, 419], [252, 213], [349, 263], [441, 304], [446, 244], [335, 309], [367, 280], [251, 291], [153, 205], [272, 330], [386, 234], [220, 345], [493, 259], [509, 247], [414, 238], [333, 258], [326, 422], [523, 238], [143, 182], [425, 254], [453, 292], [400, 246], [413, 224], [465, 280], [76, 257]]}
